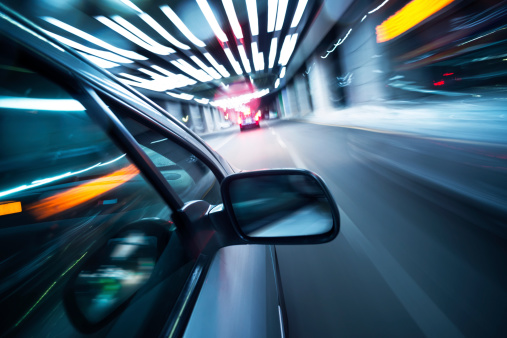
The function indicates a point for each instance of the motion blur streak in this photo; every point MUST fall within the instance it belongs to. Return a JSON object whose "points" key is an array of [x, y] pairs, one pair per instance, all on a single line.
{"points": [[75, 196], [7, 208], [410, 15]]}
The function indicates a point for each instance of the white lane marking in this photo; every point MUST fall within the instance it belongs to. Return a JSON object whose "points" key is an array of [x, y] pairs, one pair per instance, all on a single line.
{"points": [[272, 131], [281, 143], [224, 142], [427, 315]]}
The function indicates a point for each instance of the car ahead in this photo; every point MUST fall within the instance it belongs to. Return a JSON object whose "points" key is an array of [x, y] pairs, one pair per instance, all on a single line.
{"points": [[117, 220], [246, 119]]}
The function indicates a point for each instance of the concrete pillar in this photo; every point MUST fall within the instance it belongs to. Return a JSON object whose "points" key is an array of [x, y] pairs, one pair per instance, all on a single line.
{"points": [[302, 95], [321, 83], [208, 119], [197, 120], [363, 63]]}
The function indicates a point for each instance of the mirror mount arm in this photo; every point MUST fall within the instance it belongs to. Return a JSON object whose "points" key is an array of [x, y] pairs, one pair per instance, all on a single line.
{"points": [[221, 222]]}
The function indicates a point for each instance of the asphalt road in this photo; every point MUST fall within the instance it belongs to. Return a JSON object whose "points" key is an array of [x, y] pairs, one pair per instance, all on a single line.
{"points": [[420, 253]]}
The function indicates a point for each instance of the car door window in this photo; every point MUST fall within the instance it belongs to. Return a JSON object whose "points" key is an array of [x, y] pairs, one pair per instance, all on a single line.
{"points": [[66, 189], [190, 178]]}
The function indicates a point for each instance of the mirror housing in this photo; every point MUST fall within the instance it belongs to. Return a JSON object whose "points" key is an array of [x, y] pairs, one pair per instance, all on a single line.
{"points": [[280, 206]]}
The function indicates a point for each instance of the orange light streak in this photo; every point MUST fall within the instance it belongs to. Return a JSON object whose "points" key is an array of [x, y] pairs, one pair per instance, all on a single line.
{"points": [[409, 16], [82, 193], [7, 208]]}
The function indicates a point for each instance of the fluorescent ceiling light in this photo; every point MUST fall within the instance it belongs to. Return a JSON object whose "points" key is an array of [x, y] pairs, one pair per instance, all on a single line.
{"points": [[272, 52], [244, 58], [162, 70], [277, 83], [202, 101], [95, 52], [272, 6], [100, 62], [150, 73], [232, 60], [237, 101], [181, 26], [212, 21], [287, 48], [280, 15], [125, 53], [131, 5], [160, 84], [233, 19], [213, 73], [282, 73], [196, 73], [251, 7], [258, 58], [221, 69], [130, 32], [182, 96], [28, 103], [299, 13], [160, 30]]}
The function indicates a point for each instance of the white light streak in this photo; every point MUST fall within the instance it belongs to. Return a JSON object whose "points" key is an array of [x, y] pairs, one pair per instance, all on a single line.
{"points": [[258, 58], [95, 52], [380, 6], [162, 70], [99, 62], [131, 5], [233, 19], [364, 17], [160, 30], [196, 73], [94, 40], [282, 72], [339, 42], [213, 73], [244, 58], [251, 7], [232, 60], [160, 83], [299, 13], [280, 15], [272, 52], [272, 6], [29, 103], [237, 101], [202, 101], [221, 69], [55, 178], [212, 21], [277, 83], [131, 32], [181, 26], [287, 48], [182, 96]]}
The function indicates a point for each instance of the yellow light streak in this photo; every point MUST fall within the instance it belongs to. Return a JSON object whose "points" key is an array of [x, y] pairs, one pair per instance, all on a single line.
{"points": [[7, 208], [409, 16], [82, 193]]}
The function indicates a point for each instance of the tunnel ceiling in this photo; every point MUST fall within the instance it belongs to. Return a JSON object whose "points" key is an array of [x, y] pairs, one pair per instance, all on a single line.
{"points": [[194, 50]]}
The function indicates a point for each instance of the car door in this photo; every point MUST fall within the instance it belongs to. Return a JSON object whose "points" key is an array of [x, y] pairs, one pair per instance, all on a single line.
{"points": [[91, 198], [239, 287]]}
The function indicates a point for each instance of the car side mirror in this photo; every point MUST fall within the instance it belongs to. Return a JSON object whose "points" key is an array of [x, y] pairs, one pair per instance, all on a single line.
{"points": [[281, 206], [108, 279]]}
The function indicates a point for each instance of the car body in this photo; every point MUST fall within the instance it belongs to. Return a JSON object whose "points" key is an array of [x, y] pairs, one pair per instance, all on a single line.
{"points": [[115, 219], [247, 119]]}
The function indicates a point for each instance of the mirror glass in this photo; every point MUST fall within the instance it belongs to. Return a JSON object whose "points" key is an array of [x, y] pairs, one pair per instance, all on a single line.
{"points": [[114, 274], [280, 205]]}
